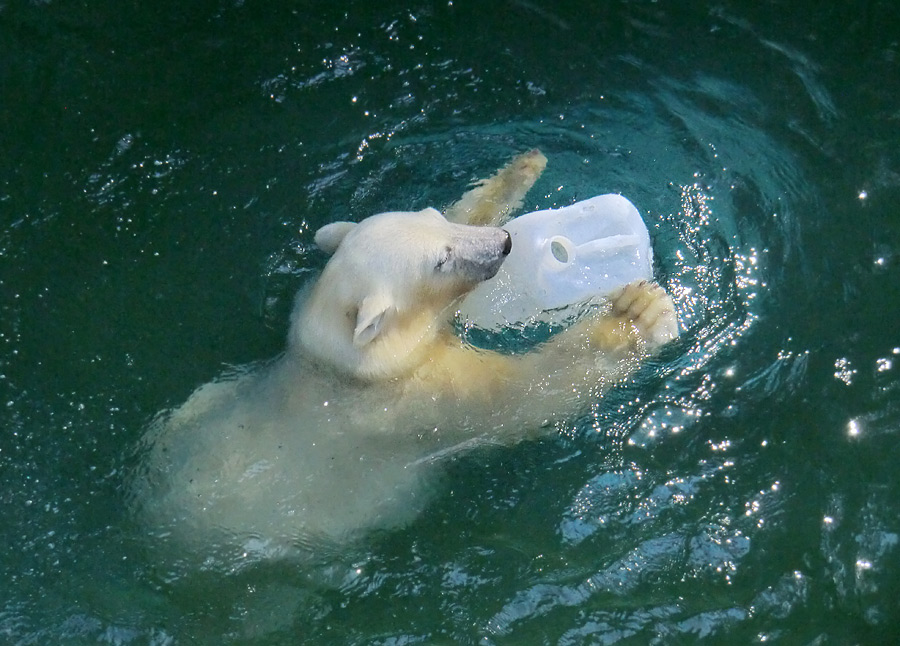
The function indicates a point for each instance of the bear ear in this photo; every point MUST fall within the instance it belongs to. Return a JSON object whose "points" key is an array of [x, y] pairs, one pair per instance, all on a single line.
{"points": [[370, 319], [329, 237]]}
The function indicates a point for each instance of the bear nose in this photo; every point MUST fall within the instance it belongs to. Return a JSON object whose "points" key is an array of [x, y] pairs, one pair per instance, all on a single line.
{"points": [[507, 244]]}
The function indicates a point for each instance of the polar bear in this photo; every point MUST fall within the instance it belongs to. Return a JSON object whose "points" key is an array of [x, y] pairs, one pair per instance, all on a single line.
{"points": [[342, 433]]}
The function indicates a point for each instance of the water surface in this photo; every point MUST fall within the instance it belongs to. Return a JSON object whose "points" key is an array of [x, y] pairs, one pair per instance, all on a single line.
{"points": [[163, 170]]}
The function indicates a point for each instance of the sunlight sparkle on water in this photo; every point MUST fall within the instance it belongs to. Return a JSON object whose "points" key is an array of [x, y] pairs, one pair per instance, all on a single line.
{"points": [[854, 429], [668, 419], [844, 371], [724, 445]]}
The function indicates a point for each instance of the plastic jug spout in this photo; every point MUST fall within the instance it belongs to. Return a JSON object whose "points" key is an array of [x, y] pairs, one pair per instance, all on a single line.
{"points": [[561, 253]]}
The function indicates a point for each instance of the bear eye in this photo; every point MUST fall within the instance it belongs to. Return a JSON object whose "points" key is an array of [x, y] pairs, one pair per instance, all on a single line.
{"points": [[443, 258]]}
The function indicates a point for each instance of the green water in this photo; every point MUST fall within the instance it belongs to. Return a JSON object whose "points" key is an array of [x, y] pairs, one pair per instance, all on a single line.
{"points": [[162, 169]]}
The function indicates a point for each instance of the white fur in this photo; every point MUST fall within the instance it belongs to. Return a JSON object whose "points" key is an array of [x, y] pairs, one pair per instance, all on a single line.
{"points": [[341, 433]]}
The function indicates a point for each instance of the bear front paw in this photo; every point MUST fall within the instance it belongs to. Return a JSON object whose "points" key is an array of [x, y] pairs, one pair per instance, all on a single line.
{"points": [[649, 308]]}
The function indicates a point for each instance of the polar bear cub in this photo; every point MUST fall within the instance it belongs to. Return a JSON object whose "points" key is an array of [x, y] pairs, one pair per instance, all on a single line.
{"points": [[342, 433]]}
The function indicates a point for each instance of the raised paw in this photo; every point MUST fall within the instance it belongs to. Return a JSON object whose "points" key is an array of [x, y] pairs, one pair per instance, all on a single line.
{"points": [[649, 308], [492, 200]]}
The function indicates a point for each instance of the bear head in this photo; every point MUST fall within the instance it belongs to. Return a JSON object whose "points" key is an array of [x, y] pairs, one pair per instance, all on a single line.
{"points": [[384, 294]]}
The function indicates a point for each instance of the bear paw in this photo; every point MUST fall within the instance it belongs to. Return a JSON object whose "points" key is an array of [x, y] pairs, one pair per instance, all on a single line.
{"points": [[649, 308]]}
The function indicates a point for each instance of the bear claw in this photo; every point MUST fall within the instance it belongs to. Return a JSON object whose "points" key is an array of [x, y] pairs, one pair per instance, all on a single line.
{"points": [[649, 308]]}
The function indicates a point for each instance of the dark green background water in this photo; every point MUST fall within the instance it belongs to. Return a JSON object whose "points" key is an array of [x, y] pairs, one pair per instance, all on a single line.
{"points": [[164, 164]]}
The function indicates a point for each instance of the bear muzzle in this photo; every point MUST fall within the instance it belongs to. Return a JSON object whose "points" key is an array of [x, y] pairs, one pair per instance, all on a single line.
{"points": [[507, 244], [480, 260]]}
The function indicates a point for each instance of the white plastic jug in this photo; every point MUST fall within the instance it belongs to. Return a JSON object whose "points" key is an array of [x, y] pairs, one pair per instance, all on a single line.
{"points": [[562, 257]]}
